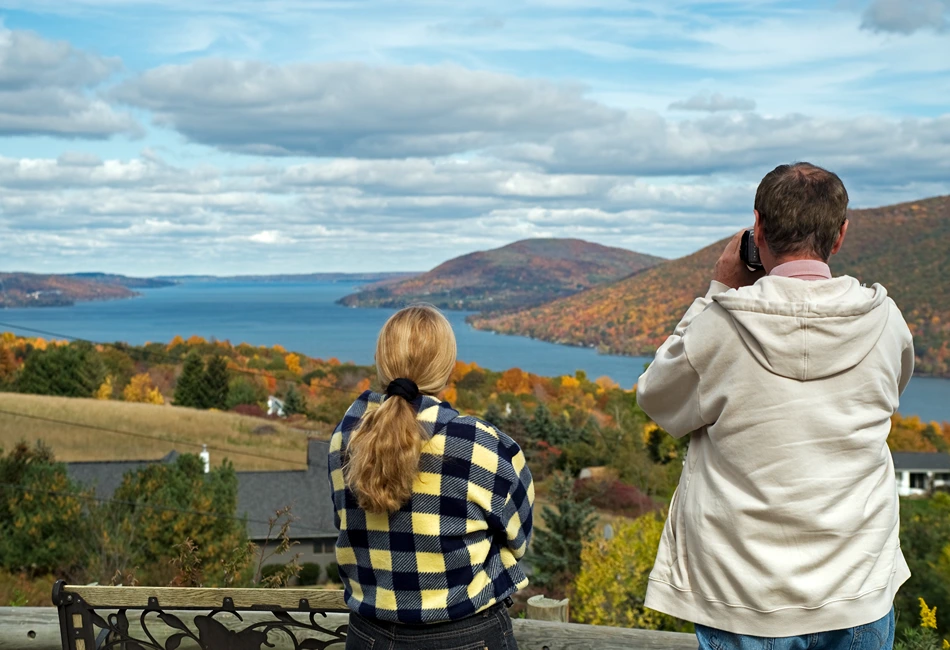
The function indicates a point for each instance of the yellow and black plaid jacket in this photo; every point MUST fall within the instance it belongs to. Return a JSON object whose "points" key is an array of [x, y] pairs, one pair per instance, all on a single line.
{"points": [[452, 550]]}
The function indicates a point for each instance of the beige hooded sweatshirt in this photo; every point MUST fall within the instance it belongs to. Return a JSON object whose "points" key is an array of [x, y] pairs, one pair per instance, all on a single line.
{"points": [[785, 521]]}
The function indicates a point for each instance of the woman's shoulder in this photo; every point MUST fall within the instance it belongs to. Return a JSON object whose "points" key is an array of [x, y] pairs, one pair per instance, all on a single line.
{"points": [[482, 433], [367, 401]]}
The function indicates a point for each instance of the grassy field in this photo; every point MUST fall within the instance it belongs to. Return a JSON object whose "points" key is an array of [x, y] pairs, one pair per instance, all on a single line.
{"points": [[166, 427]]}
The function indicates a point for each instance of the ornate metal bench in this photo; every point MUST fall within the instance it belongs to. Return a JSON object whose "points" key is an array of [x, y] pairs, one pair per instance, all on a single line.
{"points": [[178, 618]]}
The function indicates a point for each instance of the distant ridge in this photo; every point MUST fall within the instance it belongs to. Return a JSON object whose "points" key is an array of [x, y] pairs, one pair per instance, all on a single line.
{"points": [[525, 273], [296, 277], [122, 280], [45, 290], [904, 247]]}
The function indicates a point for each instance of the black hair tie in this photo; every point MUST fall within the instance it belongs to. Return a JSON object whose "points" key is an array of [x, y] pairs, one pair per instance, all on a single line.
{"points": [[404, 388]]}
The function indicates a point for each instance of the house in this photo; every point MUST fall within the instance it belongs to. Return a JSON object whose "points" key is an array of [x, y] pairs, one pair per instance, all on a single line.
{"points": [[275, 407], [920, 473], [260, 495]]}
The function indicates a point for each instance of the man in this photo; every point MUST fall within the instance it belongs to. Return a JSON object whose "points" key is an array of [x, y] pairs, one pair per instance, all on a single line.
{"points": [[785, 521]]}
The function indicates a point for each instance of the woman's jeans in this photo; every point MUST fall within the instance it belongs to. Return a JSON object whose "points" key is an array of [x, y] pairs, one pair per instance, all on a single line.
{"points": [[487, 630], [878, 635]]}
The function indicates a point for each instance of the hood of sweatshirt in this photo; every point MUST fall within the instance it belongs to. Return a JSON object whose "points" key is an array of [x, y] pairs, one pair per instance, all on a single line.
{"points": [[808, 329]]}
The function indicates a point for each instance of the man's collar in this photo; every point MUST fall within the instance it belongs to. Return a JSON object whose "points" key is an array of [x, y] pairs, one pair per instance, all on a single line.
{"points": [[803, 270]]}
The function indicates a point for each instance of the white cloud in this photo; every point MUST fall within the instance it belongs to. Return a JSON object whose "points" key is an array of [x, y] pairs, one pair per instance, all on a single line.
{"points": [[348, 109], [398, 166], [906, 16], [269, 237], [713, 103], [44, 89], [140, 216], [78, 159], [868, 148], [545, 140]]}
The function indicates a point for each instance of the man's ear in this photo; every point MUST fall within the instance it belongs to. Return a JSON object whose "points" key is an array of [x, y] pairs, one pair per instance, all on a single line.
{"points": [[759, 234], [840, 240]]}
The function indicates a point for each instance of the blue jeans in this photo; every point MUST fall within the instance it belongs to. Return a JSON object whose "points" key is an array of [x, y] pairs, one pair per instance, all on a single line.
{"points": [[487, 630], [878, 635]]}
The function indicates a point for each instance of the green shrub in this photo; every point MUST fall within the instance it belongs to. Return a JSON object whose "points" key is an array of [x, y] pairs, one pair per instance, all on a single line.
{"points": [[319, 373], [244, 390], [333, 572], [309, 573], [74, 370], [269, 570]]}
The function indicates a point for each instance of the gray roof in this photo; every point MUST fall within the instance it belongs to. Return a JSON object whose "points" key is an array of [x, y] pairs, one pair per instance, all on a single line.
{"points": [[106, 475], [260, 494], [921, 461]]}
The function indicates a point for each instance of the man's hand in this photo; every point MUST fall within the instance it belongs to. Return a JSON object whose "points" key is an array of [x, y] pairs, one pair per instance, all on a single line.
{"points": [[731, 270]]}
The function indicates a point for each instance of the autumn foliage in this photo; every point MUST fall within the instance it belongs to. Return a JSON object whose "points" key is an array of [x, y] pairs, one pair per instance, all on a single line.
{"points": [[613, 578], [141, 389], [518, 275], [903, 247]]}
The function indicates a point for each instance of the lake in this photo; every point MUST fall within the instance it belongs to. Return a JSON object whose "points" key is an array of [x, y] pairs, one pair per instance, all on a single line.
{"points": [[304, 317]]}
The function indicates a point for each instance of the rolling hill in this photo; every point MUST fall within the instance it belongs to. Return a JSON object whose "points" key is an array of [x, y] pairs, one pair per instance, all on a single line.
{"points": [[156, 431], [905, 247], [41, 290], [518, 275]]}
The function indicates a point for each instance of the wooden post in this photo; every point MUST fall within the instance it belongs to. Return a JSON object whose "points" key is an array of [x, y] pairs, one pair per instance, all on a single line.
{"points": [[548, 609]]}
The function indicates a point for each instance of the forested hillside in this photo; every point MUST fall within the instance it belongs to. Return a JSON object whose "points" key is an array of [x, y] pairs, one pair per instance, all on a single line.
{"points": [[519, 275], [39, 290], [905, 247]]}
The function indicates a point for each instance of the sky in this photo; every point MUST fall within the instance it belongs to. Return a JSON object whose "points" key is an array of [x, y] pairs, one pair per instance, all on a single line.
{"points": [[300, 136]]}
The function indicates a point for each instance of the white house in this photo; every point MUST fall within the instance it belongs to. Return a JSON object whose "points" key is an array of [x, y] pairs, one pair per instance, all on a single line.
{"points": [[920, 473], [275, 407]]}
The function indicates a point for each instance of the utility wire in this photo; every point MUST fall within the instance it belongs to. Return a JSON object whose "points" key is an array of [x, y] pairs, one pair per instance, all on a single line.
{"points": [[145, 436], [44, 332], [139, 504], [246, 371], [135, 434]]}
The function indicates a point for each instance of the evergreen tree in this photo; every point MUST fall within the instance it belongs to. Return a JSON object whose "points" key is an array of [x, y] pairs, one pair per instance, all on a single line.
{"points": [[216, 384], [556, 551], [494, 415], [190, 390], [517, 425], [74, 370], [294, 402], [42, 523], [544, 426]]}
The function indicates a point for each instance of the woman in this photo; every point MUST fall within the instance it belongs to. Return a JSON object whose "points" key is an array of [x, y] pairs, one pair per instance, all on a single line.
{"points": [[433, 508]]}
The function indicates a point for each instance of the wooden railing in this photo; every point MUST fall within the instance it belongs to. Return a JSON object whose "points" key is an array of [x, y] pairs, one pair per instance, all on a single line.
{"points": [[37, 628]]}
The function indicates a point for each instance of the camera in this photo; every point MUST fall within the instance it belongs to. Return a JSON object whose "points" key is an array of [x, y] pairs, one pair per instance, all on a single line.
{"points": [[749, 252]]}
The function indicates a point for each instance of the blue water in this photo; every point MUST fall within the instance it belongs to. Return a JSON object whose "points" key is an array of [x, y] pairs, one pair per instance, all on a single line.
{"points": [[303, 317]]}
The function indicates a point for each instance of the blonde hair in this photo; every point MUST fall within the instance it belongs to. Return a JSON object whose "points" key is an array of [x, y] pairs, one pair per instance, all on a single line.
{"points": [[416, 343]]}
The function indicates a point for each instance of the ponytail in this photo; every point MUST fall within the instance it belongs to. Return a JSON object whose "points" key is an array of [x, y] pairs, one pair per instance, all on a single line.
{"points": [[416, 343], [387, 443]]}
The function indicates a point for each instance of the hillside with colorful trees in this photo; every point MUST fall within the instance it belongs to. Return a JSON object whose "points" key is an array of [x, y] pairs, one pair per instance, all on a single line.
{"points": [[518, 275], [903, 247], [565, 423], [39, 290]]}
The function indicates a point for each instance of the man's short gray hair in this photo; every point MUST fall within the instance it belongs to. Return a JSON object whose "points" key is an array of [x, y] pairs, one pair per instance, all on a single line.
{"points": [[802, 208]]}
